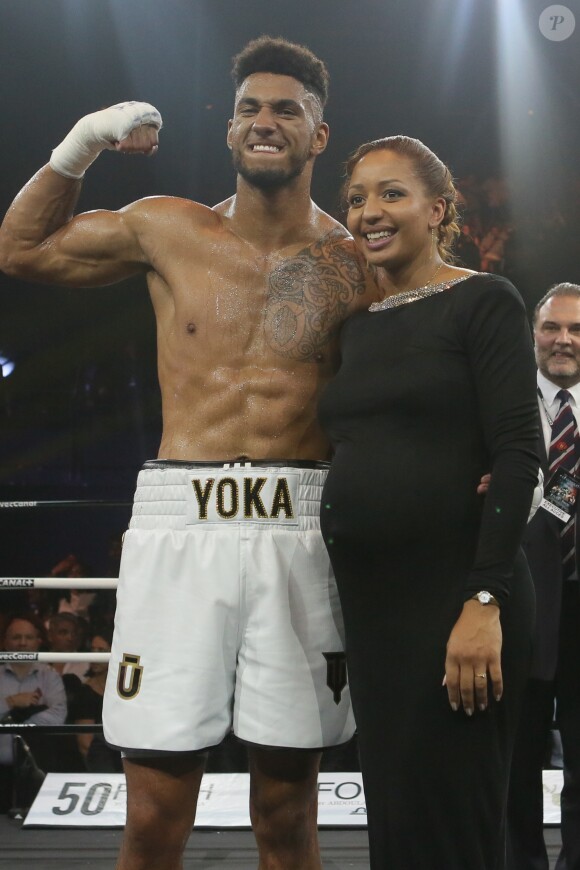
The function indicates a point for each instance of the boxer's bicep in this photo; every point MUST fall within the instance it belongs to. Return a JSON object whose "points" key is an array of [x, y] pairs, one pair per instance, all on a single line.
{"points": [[91, 249], [94, 248]]}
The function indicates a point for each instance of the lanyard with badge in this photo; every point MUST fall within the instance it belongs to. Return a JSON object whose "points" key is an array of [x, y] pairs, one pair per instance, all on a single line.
{"points": [[561, 490]]}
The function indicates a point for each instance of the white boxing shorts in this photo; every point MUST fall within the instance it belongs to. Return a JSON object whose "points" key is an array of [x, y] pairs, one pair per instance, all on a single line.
{"points": [[227, 613]]}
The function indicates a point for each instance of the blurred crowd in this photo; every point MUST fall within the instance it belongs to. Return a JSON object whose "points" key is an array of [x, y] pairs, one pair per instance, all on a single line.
{"points": [[69, 620], [533, 245]]}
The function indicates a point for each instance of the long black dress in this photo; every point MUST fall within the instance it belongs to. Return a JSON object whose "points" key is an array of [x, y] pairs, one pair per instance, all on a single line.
{"points": [[429, 396]]}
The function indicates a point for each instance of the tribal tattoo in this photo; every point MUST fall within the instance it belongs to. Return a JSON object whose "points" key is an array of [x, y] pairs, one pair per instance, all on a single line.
{"points": [[309, 296]]}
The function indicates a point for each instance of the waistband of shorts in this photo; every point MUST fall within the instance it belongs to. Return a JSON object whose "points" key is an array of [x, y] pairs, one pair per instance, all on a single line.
{"points": [[165, 489], [237, 463]]}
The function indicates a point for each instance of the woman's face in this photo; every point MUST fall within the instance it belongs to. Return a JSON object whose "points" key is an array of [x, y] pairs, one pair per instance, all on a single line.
{"points": [[99, 644], [390, 213]]}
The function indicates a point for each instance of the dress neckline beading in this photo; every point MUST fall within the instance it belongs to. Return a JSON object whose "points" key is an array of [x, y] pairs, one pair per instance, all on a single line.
{"points": [[414, 295]]}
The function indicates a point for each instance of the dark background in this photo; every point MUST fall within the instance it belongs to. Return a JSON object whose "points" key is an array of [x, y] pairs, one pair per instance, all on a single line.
{"points": [[475, 79]]}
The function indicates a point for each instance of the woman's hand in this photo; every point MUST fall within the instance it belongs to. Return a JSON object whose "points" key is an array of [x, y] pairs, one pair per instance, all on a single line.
{"points": [[483, 485], [474, 657]]}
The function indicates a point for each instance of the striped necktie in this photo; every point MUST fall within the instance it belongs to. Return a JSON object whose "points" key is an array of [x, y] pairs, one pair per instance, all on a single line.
{"points": [[565, 453]]}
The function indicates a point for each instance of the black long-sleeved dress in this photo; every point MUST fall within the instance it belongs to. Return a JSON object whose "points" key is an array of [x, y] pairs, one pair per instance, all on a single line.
{"points": [[430, 395]]}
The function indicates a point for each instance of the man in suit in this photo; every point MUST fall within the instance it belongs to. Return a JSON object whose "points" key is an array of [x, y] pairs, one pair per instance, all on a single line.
{"points": [[551, 548], [29, 692]]}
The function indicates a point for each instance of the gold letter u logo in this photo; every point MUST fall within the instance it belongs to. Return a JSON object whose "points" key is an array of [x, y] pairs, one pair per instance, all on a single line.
{"points": [[129, 679]]}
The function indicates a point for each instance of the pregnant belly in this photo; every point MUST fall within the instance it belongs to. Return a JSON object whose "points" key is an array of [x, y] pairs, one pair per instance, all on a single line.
{"points": [[431, 501]]}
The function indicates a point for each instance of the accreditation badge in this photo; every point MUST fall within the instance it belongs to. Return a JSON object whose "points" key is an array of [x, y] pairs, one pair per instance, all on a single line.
{"points": [[560, 495]]}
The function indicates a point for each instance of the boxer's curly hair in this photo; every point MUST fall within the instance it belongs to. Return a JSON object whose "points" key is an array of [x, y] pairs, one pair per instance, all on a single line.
{"points": [[277, 55]]}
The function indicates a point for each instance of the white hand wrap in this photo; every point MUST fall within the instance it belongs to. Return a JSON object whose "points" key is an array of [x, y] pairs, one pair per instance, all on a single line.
{"points": [[99, 131]]}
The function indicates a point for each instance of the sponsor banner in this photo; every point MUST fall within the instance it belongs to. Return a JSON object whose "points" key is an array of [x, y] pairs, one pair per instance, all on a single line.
{"points": [[84, 800], [99, 800]]}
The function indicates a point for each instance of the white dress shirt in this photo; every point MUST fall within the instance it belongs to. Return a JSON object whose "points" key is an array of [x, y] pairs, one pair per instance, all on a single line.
{"points": [[550, 405], [53, 696]]}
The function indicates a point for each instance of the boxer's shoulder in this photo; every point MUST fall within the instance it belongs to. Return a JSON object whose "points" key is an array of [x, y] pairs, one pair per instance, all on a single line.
{"points": [[164, 212]]}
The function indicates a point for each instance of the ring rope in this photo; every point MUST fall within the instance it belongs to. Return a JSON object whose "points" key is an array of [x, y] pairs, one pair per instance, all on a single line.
{"points": [[55, 657], [23, 727], [64, 502], [58, 583]]}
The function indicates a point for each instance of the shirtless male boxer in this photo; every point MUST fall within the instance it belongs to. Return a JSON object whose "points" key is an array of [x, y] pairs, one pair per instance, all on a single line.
{"points": [[227, 611]]}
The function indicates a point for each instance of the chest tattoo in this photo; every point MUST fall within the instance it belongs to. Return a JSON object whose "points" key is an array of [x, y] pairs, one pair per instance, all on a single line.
{"points": [[309, 295]]}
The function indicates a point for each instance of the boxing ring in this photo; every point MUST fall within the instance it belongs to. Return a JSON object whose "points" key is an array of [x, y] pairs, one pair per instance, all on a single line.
{"points": [[91, 806]]}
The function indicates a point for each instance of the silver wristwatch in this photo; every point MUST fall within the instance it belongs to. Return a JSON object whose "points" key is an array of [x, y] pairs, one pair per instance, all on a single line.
{"points": [[485, 597]]}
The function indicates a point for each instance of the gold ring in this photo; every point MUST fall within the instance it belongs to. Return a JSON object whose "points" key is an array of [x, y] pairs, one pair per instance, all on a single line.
{"points": [[481, 676]]}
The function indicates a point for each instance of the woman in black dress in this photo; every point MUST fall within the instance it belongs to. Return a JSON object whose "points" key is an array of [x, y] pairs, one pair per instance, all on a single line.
{"points": [[436, 387]]}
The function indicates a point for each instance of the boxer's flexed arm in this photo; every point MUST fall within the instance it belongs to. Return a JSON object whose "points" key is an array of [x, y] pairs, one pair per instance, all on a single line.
{"points": [[40, 239]]}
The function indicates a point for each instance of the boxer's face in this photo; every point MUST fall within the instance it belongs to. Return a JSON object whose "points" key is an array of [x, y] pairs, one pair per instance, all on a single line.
{"points": [[276, 129], [557, 339]]}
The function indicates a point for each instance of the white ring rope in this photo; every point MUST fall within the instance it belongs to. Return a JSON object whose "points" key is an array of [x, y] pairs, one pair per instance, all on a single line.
{"points": [[65, 728], [58, 583], [55, 657], [63, 502]]}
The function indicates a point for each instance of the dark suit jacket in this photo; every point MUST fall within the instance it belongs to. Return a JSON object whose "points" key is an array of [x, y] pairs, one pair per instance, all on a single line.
{"points": [[542, 548]]}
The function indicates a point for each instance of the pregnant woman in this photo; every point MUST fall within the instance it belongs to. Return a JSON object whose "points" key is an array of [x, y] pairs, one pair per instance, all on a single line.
{"points": [[436, 387]]}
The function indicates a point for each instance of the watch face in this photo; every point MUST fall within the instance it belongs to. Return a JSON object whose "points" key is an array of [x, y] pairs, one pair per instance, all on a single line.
{"points": [[484, 597]]}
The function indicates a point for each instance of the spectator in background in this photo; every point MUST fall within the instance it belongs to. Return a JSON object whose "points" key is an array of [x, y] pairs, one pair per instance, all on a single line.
{"points": [[29, 692], [74, 600], [98, 756], [492, 248], [552, 547], [93, 605], [41, 602], [487, 224], [66, 634]]}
